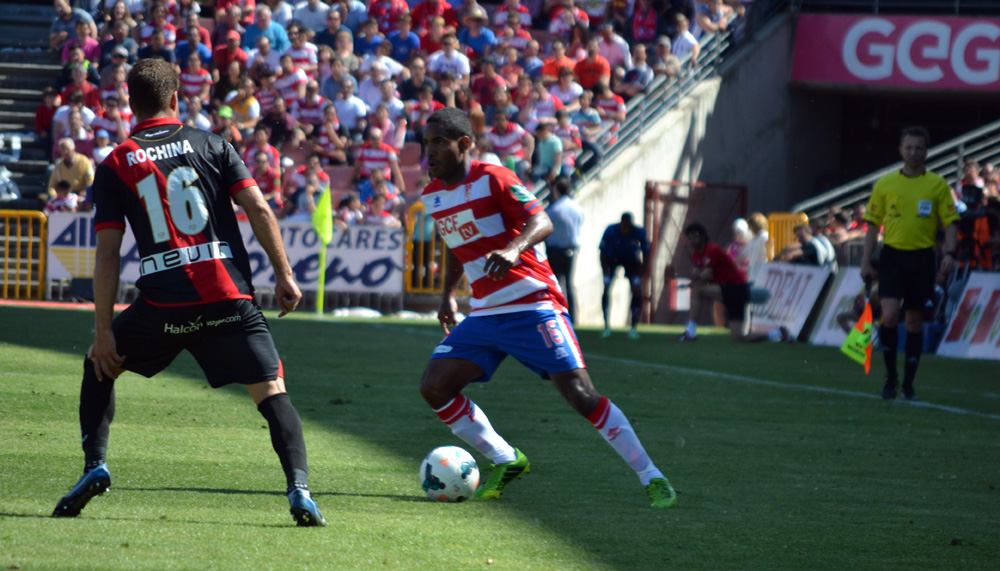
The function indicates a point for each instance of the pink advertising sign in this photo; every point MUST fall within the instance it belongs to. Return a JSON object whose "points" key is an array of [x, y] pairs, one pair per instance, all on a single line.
{"points": [[898, 51]]}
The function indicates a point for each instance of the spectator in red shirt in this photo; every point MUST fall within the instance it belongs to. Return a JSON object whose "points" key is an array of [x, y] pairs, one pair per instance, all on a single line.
{"points": [[43, 116], [716, 278], [268, 180], [387, 12], [428, 10], [432, 41], [485, 83], [592, 69], [91, 93], [229, 52]]}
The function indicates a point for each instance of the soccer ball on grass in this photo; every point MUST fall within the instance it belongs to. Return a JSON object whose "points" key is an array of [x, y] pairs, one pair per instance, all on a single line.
{"points": [[449, 474]]}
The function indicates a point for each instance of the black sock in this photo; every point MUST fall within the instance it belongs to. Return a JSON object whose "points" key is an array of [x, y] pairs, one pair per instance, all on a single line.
{"points": [[97, 410], [286, 438], [890, 338], [605, 302], [636, 309], [914, 347]]}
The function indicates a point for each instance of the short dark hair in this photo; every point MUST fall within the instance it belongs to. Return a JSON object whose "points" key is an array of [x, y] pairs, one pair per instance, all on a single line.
{"points": [[151, 82], [453, 122], [916, 131], [564, 185], [697, 228]]}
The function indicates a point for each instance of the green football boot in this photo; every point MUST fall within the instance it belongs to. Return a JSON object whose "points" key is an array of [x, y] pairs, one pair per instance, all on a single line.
{"points": [[661, 493], [501, 475]]}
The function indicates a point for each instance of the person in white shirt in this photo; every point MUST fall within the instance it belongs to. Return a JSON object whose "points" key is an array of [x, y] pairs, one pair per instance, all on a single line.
{"points": [[197, 115], [311, 14], [451, 60], [614, 48], [352, 111], [102, 147], [382, 57], [684, 42], [263, 55]]}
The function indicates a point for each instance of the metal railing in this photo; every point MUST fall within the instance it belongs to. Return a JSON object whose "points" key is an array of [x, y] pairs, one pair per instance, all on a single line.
{"points": [[23, 239], [663, 94], [946, 159]]}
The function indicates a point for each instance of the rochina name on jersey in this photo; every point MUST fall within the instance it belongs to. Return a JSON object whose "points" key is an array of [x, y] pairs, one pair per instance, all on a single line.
{"points": [[159, 152]]}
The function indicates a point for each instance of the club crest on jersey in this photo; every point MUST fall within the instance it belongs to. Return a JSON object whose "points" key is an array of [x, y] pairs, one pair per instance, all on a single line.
{"points": [[459, 228], [522, 194]]}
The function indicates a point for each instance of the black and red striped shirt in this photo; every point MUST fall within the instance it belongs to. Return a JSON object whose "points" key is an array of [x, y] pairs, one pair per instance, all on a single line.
{"points": [[174, 184]]}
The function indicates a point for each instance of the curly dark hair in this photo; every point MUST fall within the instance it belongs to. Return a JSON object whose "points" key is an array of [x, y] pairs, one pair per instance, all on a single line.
{"points": [[151, 82]]}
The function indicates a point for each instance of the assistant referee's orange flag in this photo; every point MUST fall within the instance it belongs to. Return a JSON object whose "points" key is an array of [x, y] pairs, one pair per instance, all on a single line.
{"points": [[858, 345]]}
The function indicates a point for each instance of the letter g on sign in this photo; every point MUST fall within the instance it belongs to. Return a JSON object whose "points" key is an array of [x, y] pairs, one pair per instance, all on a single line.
{"points": [[882, 51]]}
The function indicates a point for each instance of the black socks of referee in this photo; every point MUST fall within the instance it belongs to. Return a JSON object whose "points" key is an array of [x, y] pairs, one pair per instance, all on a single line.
{"points": [[914, 347], [286, 438], [97, 410]]}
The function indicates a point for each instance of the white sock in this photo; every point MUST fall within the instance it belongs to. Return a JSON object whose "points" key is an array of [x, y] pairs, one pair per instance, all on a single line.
{"points": [[468, 422], [692, 328], [610, 421]]}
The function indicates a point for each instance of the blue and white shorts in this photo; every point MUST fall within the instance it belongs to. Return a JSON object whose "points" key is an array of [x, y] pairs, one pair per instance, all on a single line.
{"points": [[542, 340]]}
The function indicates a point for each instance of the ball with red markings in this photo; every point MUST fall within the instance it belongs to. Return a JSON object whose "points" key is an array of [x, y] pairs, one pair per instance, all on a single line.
{"points": [[449, 474]]}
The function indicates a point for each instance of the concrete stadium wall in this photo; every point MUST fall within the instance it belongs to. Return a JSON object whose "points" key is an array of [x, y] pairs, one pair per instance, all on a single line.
{"points": [[746, 126], [669, 150]]}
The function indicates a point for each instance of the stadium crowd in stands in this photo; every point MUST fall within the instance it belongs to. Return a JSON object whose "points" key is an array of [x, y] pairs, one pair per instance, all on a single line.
{"points": [[333, 96]]}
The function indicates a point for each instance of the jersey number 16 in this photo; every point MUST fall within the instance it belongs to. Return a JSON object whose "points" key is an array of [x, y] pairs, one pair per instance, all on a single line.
{"points": [[188, 211]]}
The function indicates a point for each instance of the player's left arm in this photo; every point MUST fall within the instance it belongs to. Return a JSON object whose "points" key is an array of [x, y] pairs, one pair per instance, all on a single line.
{"points": [[265, 228], [536, 228]]}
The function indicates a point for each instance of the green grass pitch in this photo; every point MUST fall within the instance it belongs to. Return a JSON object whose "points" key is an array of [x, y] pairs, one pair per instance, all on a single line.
{"points": [[783, 457]]}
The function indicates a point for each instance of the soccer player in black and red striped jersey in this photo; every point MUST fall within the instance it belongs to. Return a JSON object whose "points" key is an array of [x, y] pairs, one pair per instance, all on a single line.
{"points": [[174, 185]]}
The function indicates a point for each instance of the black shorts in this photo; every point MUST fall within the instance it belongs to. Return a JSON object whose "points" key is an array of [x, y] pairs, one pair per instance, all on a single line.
{"points": [[229, 339], [735, 298], [907, 275], [632, 266]]}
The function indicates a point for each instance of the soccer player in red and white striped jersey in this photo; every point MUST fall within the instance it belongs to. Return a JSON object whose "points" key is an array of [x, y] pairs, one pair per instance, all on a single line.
{"points": [[491, 226]]}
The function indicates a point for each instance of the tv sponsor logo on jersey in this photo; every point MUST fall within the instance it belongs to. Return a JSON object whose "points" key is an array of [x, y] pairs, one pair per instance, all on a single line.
{"points": [[459, 228]]}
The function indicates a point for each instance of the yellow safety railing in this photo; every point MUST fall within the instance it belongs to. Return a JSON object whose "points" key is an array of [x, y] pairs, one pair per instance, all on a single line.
{"points": [[23, 242], [781, 227], [424, 267]]}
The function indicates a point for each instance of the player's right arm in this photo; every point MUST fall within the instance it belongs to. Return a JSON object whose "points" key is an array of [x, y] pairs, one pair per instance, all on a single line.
{"points": [[265, 228], [452, 277], [104, 351]]}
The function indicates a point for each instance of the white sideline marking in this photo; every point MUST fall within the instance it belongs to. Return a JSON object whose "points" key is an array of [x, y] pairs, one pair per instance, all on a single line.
{"points": [[778, 384], [741, 378]]}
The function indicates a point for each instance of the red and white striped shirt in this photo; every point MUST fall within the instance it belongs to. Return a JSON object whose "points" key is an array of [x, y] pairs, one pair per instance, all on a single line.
{"points": [[324, 140], [288, 84], [269, 181], [273, 156], [306, 55], [482, 214], [169, 34], [510, 142], [109, 125], [191, 83], [265, 98], [612, 104], [570, 133], [310, 113], [371, 158]]}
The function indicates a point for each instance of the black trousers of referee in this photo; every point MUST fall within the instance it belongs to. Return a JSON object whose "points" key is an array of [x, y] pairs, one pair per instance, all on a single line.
{"points": [[562, 260]]}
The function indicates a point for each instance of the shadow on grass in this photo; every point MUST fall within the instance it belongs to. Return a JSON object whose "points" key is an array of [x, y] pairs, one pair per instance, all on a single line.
{"points": [[375, 369], [149, 519], [394, 497]]}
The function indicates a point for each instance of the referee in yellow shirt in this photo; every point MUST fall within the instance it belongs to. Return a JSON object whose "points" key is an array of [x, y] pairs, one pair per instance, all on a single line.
{"points": [[910, 203]]}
